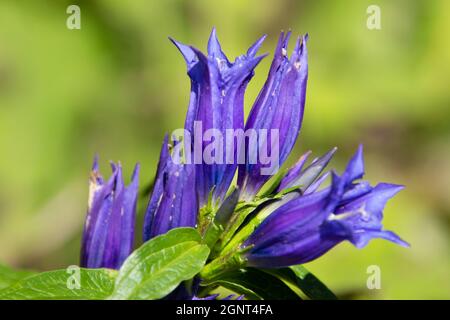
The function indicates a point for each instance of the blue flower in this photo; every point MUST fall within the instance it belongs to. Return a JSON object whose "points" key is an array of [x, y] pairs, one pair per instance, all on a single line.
{"points": [[217, 102], [173, 202], [306, 179], [109, 228], [308, 226], [300, 221], [279, 106]]}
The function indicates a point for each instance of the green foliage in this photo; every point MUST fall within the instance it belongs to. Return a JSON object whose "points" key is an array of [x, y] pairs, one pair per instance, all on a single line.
{"points": [[93, 284], [256, 284], [242, 211], [156, 269], [160, 265], [9, 276], [151, 272], [301, 278]]}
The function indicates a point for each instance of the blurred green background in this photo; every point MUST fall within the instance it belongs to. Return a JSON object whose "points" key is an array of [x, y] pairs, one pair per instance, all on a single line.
{"points": [[117, 85]]}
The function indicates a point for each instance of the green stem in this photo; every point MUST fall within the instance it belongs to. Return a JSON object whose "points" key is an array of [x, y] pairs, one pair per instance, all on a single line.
{"points": [[222, 265]]}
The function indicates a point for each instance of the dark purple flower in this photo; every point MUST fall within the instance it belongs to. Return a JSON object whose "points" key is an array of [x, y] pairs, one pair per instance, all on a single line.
{"points": [[307, 227], [173, 202], [109, 228], [216, 102], [279, 107]]}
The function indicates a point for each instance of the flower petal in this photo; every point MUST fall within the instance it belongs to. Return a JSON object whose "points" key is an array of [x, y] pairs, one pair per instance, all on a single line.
{"points": [[279, 106], [109, 228]]}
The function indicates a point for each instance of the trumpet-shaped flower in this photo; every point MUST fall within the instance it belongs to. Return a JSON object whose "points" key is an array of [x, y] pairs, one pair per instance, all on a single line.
{"points": [[294, 222], [109, 228], [173, 202], [279, 110], [307, 227], [216, 102]]}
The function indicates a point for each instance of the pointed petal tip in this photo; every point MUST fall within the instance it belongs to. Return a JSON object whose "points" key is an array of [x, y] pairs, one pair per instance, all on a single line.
{"points": [[175, 42], [95, 176], [355, 167], [165, 143], [256, 46], [214, 47], [116, 167], [213, 35], [95, 163], [298, 43], [359, 152], [286, 39], [360, 240], [305, 155], [393, 237], [389, 189], [188, 52], [403, 243], [332, 151], [135, 174]]}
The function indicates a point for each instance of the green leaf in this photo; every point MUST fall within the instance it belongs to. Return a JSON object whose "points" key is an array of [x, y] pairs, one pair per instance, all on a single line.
{"points": [[242, 211], [67, 284], [241, 235], [270, 187], [9, 276], [160, 265], [256, 284], [308, 283]]}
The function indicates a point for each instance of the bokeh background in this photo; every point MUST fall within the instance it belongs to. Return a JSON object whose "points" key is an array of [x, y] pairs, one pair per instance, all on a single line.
{"points": [[117, 85]]}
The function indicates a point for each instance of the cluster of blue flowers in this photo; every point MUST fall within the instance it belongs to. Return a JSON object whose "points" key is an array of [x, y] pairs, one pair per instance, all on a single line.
{"points": [[308, 218]]}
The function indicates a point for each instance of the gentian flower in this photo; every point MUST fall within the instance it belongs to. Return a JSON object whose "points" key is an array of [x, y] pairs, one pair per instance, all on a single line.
{"points": [[279, 106], [216, 102], [173, 202], [307, 227], [296, 221], [306, 179], [109, 228]]}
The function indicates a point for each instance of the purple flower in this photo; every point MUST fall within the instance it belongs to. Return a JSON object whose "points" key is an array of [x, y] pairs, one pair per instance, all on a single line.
{"points": [[307, 227], [173, 202], [283, 227], [307, 179], [216, 102], [109, 228], [279, 107]]}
